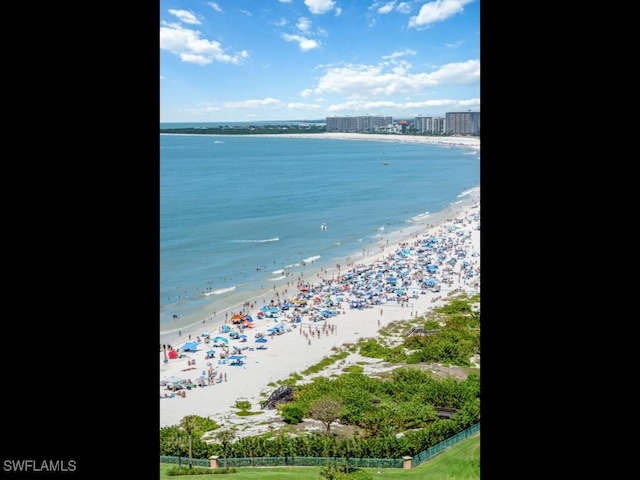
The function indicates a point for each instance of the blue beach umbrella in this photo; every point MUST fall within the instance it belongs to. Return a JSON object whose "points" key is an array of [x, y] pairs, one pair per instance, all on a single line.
{"points": [[190, 346]]}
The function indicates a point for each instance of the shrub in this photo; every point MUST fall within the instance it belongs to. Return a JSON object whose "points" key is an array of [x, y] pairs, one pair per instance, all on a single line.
{"points": [[292, 414], [198, 471]]}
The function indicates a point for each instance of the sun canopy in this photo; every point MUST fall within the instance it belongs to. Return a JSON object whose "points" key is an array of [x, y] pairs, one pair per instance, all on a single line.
{"points": [[190, 346], [173, 379]]}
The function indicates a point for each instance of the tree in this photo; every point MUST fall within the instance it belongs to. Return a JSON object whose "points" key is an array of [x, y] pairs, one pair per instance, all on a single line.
{"points": [[189, 424], [325, 410], [225, 437], [177, 439]]}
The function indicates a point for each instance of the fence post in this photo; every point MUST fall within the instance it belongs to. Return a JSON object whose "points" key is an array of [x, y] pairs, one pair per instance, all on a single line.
{"points": [[214, 462], [406, 463]]}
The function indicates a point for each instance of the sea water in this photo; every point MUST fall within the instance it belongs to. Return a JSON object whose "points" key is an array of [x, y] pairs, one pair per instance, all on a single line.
{"points": [[241, 215]]}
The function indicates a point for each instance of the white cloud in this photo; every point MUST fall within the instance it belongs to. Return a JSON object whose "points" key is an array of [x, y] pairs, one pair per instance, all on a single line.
{"points": [[185, 16], [437, 11], [453, 45], [304, 24], [404, 7], [254, 103], [191, 48], [395, 55], [386, 8], [303, 106], [303, 43], [386, 106], [389, 78], [318, 7], [215, 6]]}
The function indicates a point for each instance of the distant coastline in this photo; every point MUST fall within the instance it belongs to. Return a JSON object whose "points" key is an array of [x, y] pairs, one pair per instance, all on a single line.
{"points": [[464, 141], [288, 130], [248, 130]]}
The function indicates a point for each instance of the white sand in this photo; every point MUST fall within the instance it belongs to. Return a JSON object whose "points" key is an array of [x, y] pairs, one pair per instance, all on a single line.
{"points": [[468, 142], [291, 352]]}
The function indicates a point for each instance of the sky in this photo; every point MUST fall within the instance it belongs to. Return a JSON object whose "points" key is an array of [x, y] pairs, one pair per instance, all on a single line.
{"points": [[261, 60]]}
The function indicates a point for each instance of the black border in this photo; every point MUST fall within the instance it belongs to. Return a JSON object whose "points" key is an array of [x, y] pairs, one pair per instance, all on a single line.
{"points": [[83, 222]]}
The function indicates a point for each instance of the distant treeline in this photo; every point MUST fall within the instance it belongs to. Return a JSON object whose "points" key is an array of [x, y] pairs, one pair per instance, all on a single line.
{"points": [[248, 130]]}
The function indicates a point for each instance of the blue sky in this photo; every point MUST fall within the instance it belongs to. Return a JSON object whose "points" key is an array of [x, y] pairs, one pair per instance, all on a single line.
{"points": [[259, 60]]}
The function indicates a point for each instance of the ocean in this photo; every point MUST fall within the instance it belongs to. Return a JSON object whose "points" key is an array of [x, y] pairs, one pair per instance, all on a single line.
{"points": [[241, 216]]}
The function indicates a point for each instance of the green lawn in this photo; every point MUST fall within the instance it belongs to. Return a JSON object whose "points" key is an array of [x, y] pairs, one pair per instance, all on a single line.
{"points": [[460, 462]]}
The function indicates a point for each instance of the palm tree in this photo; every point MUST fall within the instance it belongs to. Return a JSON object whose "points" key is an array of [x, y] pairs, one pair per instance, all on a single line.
{"points": [[189, 424], [225, 437], [178, 440]]}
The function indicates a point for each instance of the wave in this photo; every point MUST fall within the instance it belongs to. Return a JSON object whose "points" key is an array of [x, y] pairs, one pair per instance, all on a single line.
{"points": [[311, 259], [337, 244], [276, 272], [277, 278], [257, 241], [221, 290], [418, 218], [218, 141], [469, 192]]}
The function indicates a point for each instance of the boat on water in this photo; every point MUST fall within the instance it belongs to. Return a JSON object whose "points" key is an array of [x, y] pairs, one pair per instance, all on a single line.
{"points": [[323, 226], [385, 163]]}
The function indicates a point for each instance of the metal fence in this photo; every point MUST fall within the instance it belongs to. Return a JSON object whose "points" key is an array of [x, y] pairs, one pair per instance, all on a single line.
{"points": [[442, 446], [289, 462], [322, 461]]}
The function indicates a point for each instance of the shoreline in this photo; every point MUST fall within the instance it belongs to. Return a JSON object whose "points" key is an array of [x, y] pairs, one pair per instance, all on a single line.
{"points": [[469, 142], [179, 335], [169, 333], [300, 348]]}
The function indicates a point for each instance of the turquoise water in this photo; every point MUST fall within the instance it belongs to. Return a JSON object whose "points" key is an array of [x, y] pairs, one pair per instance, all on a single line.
{"points": [[241, 215]]}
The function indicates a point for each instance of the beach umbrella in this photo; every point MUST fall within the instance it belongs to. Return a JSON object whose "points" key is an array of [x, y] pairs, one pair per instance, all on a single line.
{"points": [[172, 379], [190, 346], [221, 339], [172, 354], [261, 340]]}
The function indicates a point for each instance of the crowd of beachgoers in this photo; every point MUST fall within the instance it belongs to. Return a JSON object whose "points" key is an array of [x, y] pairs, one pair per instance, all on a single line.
{"points": [[205, 370]]}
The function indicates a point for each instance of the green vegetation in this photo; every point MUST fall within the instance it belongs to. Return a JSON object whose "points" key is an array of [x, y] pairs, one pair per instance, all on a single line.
{"points": [[457, 339], [460, 462], [399, 413], [246, 130]]}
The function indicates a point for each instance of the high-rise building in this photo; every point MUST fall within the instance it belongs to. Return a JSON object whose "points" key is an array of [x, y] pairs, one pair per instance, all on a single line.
{"points": [[365, 123], [463, 123], [429, 125]]}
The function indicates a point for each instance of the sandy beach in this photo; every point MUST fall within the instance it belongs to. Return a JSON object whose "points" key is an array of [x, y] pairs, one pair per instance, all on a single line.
{"points": [[305, 335]]}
